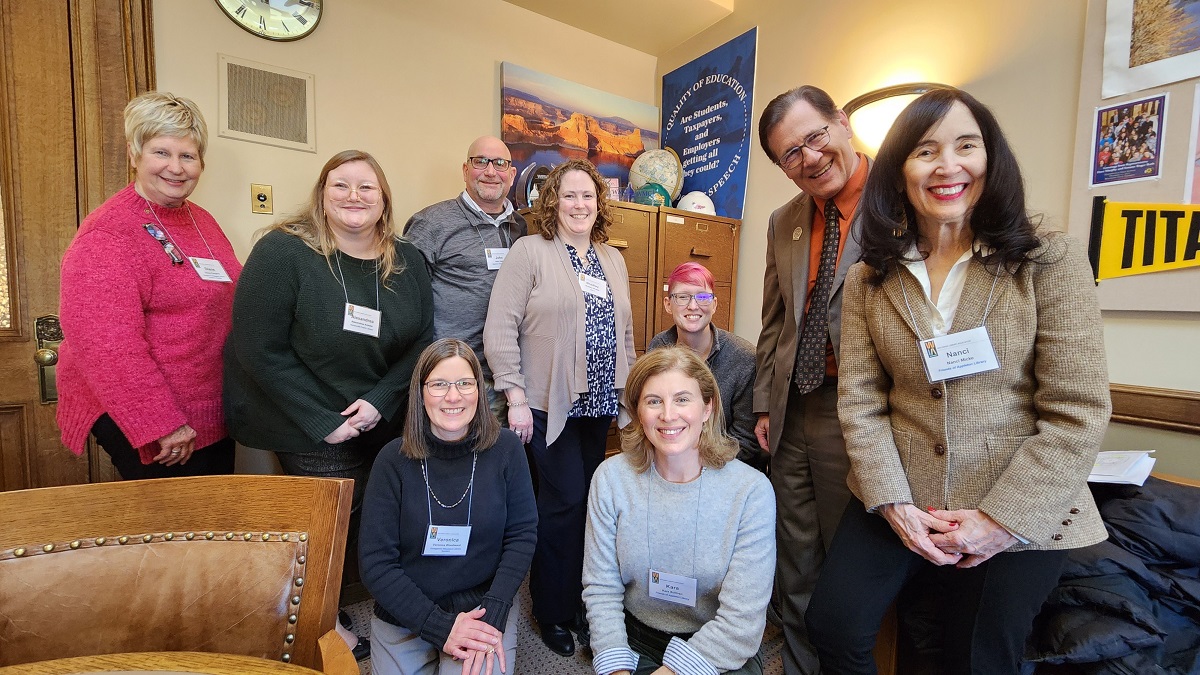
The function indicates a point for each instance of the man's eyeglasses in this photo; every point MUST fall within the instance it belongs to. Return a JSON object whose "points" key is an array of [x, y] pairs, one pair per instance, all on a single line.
{"points": [[366, 192], [685, 299], [481, 163], [439, 388], [816, 142]]}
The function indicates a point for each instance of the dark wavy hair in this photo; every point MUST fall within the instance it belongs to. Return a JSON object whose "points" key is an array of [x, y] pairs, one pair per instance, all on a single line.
{"points": [[999, 218], [484, 429], [545, 209]]}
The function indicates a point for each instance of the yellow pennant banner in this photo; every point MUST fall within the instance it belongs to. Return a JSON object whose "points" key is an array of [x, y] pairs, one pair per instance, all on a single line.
{"points": [[1142, 238]]}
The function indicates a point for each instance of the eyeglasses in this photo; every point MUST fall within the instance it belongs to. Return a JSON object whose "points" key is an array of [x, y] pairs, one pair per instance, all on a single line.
{"points": [[816, 141], [439, 388], [366, 192], [685, 299], [165, 242], [481, 163]]}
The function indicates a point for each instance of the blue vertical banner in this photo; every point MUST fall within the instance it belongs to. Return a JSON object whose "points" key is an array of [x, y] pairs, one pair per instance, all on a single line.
{"points": [[706, 119]]}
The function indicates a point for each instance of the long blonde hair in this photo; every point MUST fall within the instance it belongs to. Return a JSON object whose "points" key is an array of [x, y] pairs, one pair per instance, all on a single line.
{"points": [[311, 226]]}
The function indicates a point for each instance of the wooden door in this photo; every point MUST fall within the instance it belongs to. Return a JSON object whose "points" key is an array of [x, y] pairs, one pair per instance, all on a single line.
{"points": [[66, 71]]}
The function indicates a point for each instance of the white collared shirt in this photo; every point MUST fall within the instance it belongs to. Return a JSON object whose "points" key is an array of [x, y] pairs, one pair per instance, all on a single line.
{"points": [[941, 313]]}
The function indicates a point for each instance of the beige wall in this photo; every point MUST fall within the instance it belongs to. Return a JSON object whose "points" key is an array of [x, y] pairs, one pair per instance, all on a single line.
{"points": [[415, 82], [1023, 58], [412, 82]]}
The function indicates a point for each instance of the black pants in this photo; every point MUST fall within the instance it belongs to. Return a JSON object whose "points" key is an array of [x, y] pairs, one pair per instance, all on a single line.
{"points": [[564, 469], [987, 611], [211, 460], [352, 459]]}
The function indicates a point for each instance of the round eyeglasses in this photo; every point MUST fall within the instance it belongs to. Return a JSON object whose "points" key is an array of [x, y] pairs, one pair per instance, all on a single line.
{"points": [[439, 388], [341, 192], [685, 299]]}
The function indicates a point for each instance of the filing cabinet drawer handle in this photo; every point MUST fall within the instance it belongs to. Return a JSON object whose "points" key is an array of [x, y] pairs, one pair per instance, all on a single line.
{"points": [[700, 254], [618, 243]]}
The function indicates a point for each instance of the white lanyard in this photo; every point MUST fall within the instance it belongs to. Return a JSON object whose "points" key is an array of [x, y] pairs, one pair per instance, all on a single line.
{"points": [[955, 355], [359, 319], [342, 279], [187, 207], [986, 309], [209, 269]]}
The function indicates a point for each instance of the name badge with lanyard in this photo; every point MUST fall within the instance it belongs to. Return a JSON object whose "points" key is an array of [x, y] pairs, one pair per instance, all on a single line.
{"points": [[674, 588], [494, 256], [208, 269], [960, 354], [448, 540], [360, 318]]}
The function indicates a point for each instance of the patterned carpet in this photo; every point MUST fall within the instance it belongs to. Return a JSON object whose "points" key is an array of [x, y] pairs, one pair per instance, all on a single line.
{"points": [[533, 658]]}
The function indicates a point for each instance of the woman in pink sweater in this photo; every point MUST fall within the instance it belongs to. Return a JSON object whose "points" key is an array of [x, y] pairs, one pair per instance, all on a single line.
{"points": [[147, 291]]}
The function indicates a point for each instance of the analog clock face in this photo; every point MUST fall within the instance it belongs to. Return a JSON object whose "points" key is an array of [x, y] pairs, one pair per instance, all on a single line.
{"points": [[274, 19]]}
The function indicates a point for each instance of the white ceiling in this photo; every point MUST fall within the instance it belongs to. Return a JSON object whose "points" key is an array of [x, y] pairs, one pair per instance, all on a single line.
{"points": [[649, 26]]}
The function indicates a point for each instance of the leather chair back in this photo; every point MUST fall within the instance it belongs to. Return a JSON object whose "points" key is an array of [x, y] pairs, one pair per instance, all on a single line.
{"points": [[232, 564]]}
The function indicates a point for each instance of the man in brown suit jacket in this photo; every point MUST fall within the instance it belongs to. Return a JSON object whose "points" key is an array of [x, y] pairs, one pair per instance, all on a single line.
{"points": [[808, 137]]}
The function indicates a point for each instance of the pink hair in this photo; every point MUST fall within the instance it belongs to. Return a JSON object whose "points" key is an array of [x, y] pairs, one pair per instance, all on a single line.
{"points": [[691, 273]]}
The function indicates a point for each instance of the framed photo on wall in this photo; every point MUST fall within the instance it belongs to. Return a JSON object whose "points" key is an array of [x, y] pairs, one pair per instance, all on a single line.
{"points": [[1127, 141]]}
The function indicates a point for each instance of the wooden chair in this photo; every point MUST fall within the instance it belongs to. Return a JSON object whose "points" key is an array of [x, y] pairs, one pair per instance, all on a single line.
{"points": [[245, 565]]}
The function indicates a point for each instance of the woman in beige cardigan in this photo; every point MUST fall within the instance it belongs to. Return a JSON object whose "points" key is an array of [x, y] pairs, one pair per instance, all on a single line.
{"points": [[969, 468], [559, 340]]}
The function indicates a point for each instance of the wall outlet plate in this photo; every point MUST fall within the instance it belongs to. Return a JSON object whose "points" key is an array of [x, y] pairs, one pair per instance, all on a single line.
{"points": [[260, 199]]}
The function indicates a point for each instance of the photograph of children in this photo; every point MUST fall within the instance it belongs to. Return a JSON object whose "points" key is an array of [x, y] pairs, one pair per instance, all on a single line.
{"points": [[1128, 141]]}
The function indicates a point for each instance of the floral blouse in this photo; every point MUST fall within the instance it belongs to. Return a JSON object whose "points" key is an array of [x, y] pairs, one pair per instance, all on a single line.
{"points": [[600, 331]]}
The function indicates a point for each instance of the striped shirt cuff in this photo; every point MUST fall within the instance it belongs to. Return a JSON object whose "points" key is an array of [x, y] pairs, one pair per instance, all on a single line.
{"points": [[617, 658], [681, 658]]}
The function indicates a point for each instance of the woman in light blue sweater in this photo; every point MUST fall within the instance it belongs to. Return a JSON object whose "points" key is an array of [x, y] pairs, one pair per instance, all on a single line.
{"points": [[680, 544]]}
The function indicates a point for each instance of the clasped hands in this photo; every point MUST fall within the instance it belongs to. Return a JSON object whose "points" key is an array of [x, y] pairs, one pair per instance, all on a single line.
{"points": [[360, 416], [476, 644], [963, 538]]}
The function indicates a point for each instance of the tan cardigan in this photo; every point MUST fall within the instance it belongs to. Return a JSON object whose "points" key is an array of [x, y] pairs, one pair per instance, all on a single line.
{"points": [[534, 334], [1016, 443]]}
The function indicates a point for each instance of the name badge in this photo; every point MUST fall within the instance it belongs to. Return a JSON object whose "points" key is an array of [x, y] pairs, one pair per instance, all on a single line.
{"points": [[495, 257], [447, 540], [593, 286], [362, 320], [958, 354], [210, 269], [674, 588]]}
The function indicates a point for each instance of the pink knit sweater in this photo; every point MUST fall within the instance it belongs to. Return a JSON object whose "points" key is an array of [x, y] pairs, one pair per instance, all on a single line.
{"points": [[142, 336]]}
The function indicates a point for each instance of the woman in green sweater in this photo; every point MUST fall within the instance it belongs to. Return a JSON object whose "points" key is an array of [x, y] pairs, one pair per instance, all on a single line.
{"points": [[329, 317]]}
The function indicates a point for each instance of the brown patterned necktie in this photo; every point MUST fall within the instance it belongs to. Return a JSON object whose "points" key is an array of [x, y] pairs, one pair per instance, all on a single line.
{"points": [[810, 353]]}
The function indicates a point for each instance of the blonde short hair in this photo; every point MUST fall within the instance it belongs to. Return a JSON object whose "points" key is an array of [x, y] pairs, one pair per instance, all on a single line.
{"points": [[716, 447], [159, 113]]}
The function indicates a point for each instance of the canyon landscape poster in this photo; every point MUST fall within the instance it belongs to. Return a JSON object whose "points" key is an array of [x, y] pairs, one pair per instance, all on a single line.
{"points": [[546, 120]]}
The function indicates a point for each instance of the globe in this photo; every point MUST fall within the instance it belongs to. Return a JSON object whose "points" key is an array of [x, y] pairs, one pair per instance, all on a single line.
{"points": [[652, 194], [658, 166]]}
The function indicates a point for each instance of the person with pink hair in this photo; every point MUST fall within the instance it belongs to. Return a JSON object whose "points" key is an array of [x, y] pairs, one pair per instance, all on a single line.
{"points": [[691, 302]]}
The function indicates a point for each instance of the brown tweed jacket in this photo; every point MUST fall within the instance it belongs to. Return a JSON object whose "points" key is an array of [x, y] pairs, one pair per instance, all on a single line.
{"points": [[1016, 443]]}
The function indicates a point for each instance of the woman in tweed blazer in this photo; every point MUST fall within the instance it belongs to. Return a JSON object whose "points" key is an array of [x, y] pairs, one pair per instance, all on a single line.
{"points": [[978, 484], [559, 340]]}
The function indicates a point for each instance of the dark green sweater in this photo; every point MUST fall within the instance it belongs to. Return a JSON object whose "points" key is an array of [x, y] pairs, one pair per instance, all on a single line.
{"points": [[290, 368]]}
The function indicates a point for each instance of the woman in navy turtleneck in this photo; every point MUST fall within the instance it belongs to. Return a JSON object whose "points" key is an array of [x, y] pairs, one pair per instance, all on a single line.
{"points": [[448, 528]]}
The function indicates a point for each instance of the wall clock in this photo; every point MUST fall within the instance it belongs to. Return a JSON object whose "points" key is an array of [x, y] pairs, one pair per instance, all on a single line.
{"points": [[280, 20]]}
